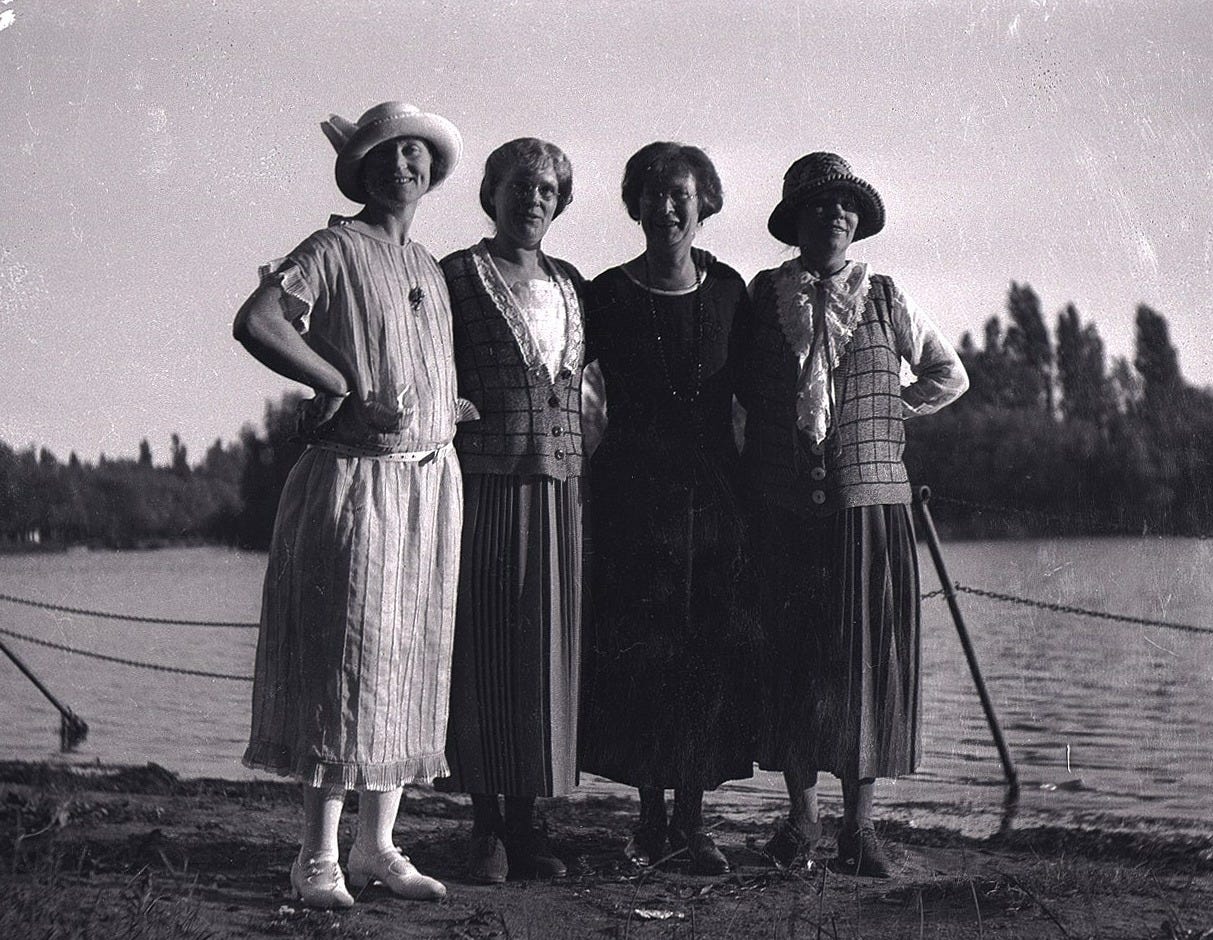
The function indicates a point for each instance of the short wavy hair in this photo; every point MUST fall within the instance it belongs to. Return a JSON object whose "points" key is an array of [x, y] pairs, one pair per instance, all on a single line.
{"points": [[663, 160], [534, 154]]}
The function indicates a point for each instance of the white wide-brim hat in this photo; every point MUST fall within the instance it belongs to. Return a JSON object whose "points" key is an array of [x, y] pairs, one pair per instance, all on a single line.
{"points": [[384, 122]]}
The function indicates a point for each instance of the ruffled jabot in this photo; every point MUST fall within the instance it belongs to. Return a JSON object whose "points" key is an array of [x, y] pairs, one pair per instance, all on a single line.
{"points": [[843, 298]]}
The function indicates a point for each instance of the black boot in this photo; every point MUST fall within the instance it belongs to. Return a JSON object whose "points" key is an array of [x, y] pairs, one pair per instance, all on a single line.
{"points": [[527, 848], [647, 845], [859, 853], [792, 845], [686, 834], [487, 863]]}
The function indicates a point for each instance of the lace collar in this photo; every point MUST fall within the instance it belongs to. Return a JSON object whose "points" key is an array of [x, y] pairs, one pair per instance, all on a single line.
{"points": [[503, 298], [845, 297]]}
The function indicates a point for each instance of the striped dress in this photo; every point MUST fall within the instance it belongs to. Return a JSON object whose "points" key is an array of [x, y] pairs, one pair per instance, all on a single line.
{"points": [[353, 661]]}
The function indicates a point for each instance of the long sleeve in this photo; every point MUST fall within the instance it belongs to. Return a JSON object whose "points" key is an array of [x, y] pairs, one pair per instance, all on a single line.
{"points": [[940, 377]]}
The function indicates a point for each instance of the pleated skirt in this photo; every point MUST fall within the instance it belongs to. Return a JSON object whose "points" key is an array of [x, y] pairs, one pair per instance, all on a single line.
{"points": [[839, 597], [515, 676], [352, 680]]}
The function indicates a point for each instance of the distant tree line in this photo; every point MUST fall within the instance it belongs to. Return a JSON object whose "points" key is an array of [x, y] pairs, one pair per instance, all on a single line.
{"points": [[1050, 439], [229, 497]]}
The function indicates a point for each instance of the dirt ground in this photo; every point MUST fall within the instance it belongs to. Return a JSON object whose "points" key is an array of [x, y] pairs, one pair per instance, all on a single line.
{"points": [[138, 853]]}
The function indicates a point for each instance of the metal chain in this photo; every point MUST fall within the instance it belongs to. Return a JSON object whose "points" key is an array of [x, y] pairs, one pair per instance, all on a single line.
{"points": [[130, 617], [124, 662], [1067, 609]]}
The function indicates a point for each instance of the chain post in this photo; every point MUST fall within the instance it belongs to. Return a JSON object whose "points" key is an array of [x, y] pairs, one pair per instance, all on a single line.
{"points": [[923, 496], [72, 728]]}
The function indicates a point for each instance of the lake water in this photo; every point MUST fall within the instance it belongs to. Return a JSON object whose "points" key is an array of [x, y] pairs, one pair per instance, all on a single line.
{"points": [[1110, 724]]}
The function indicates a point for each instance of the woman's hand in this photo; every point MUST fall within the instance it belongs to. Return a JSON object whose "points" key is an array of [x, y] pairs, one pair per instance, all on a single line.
{"points": [[388, 417], [315, 413]]}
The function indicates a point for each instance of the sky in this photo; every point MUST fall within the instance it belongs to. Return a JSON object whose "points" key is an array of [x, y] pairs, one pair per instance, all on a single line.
{"points": [[154, 154]]}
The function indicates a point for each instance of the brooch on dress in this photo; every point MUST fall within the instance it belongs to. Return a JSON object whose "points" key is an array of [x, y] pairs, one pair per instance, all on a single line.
{"points": [[416, 296]]}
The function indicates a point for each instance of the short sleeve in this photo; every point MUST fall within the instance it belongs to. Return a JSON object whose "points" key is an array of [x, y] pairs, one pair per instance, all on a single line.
{"points": [[299, 276]]}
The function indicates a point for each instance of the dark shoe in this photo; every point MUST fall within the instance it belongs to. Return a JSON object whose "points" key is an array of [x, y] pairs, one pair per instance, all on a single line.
{"points": [[647, 846], [705, 858], [530, 855], [487, 862], [860, 854], [789, 846]]}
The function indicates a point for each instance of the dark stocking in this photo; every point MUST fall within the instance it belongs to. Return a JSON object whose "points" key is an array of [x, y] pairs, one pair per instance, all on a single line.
{"points": [[688, 810], [486, 814], [519, 813], [652, 808]]}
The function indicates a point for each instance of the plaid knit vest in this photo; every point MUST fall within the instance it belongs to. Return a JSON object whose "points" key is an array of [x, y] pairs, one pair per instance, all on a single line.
{"points": [[528, 425], [859, 463]]}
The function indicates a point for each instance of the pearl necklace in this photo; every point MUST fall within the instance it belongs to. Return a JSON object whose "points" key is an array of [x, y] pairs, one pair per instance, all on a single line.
{"points": [[697, 342]]}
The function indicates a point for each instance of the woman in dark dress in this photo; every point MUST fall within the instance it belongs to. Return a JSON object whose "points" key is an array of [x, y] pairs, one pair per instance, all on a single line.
{"points": [[666, 703], [832, 531]]}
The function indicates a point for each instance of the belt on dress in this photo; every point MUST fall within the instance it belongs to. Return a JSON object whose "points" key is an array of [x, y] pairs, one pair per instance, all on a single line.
{"points": [[419, 457]]}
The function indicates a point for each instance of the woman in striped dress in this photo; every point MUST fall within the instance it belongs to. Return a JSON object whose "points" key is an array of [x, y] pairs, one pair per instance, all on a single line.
{"points": [[353, 659], [518, 351]]}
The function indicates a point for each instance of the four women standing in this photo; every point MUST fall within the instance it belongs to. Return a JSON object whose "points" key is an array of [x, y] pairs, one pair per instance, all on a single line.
{"points": [[355, 652]]}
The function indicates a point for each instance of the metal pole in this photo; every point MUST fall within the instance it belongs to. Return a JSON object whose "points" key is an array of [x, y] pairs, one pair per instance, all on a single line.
{"points": [[72, 728], [1008, 765]]}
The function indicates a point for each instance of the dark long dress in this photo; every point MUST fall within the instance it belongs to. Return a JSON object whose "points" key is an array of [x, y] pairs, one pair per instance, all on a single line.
{"points": [[668, 699]]}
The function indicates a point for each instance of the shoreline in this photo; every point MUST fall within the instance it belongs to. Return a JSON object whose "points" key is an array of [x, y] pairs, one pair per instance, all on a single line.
{"points": [[126, 848]]}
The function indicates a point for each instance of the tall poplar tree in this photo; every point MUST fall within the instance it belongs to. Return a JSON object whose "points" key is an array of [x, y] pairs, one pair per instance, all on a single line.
{"points": [[1028, 341]]}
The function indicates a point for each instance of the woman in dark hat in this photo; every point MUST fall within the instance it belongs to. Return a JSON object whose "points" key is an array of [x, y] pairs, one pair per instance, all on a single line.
{"points": [[832, 530], [667, 701], [519, 344], [358, 612]]}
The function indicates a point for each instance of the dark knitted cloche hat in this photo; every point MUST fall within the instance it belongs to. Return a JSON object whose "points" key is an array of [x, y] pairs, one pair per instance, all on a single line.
{"points": [[811, 175]]}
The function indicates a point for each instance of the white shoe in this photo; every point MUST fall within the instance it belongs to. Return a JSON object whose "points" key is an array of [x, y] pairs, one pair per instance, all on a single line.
{"points": [[394, 870], [318, 883]]}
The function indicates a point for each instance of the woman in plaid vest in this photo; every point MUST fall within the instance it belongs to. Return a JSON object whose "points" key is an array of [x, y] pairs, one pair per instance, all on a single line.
{"points": [[518, 355], [830, 499]]}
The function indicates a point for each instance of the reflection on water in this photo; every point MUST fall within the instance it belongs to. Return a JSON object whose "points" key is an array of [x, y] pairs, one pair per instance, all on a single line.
{"points": [[1107, 722]]}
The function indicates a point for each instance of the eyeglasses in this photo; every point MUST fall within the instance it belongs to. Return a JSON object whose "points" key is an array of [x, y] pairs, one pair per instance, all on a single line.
{"points": [[676, 195], [828, 201], [522, 189]]}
